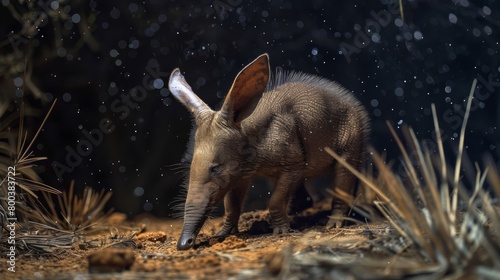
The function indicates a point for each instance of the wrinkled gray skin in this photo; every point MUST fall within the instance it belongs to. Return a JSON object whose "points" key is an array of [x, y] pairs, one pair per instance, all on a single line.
{"points": [[276, 129]]}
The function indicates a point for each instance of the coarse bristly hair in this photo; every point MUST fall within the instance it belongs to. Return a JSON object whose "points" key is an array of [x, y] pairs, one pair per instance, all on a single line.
{"points": [[178, 204], [282, 77]]}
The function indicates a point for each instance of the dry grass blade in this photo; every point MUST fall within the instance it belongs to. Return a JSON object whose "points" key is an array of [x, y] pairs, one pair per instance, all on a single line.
{"points": [[442, 158], [24, 160], [408, 164], [439, 221], [32, 185], [401, 10], [454, 200], [369, 183], [403, 212]]}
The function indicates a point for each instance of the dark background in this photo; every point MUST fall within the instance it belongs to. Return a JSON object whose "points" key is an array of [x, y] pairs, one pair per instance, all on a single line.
{"points": [[109, 61]]}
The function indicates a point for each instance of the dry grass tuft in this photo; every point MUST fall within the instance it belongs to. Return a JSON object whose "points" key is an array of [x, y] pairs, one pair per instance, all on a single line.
{"points": [[15, 154], [76, 214], [40, 228], [443, 231]]}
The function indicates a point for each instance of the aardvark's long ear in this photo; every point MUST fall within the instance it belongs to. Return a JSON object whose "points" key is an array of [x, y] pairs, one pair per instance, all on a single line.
{"points": [[246, 90], [185, 95]]}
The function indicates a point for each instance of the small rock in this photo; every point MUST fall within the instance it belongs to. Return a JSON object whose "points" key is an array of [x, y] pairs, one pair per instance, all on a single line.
{"points": [[111, 260], [117, 218], [152, 236]]}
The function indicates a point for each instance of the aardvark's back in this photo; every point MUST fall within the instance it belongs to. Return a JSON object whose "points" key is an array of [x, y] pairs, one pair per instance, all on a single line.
{"points": [[298, 116]]}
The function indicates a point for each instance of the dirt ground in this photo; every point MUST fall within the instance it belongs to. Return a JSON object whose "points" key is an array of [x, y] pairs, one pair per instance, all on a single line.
{"points": [[146, 248]]}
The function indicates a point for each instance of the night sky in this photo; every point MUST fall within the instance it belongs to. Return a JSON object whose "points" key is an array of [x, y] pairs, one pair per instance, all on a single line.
{"points": [[116, 126]]}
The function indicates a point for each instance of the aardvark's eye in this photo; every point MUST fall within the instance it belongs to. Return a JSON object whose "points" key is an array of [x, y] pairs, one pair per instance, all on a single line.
{"points": [[214, 169]]}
